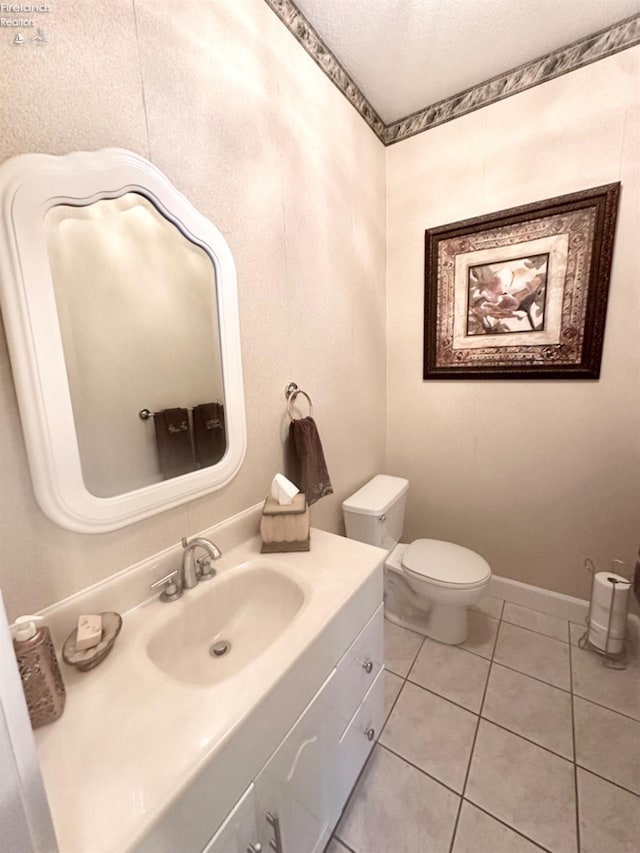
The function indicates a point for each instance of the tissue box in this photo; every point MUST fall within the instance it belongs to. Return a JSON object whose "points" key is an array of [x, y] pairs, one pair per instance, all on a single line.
{"points": [[285, 528]]}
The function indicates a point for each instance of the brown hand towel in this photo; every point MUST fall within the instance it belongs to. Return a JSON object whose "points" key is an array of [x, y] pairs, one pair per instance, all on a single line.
{"points": [[173, 437], [209, 433], [636, 579], [311, 476]]}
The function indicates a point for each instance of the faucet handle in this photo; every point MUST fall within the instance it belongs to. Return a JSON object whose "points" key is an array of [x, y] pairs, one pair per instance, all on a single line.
{"points": [[170, 589], [205, 569]]}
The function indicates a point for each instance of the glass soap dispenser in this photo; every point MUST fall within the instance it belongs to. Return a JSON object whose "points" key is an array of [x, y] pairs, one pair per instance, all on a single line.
{"points": [[41, 678]]}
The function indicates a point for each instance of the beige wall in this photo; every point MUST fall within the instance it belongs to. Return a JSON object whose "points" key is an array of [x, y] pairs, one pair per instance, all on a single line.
{"points": [[534, 475], [222, 98]]}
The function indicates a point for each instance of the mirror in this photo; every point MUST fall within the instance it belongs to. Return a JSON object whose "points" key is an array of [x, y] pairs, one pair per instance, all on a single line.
{"points": [[143, 335], [120, 306]]}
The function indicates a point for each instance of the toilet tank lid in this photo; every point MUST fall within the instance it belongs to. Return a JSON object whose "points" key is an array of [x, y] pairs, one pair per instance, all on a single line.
{"points": [[376, 496]]}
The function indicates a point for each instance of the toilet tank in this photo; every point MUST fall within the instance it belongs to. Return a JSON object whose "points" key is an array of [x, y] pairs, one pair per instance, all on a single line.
{"points": [[375, 513]]}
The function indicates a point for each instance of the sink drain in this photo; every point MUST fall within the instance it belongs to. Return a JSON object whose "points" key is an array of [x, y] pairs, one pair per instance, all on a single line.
{"points": [[220, 648]]}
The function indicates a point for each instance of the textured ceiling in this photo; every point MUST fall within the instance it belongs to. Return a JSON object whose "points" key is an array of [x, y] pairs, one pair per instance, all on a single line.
{"points": [[406, 55]]}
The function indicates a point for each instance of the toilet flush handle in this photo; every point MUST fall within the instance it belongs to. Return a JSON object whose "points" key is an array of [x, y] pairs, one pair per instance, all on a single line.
{"points": [[382, 518]]}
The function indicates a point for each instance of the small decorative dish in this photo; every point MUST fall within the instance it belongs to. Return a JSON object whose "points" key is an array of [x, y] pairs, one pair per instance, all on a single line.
{"points": [[86, 659]]}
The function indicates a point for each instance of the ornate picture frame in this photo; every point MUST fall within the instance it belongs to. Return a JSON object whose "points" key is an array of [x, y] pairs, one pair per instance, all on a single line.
{"points": [[521, 293]]}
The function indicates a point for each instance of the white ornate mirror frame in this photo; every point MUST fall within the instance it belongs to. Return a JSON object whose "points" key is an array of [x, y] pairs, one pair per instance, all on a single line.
{"points": [[30, 185]]}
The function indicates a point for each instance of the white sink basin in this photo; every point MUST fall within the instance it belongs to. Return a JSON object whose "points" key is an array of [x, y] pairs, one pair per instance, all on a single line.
{"points": [[247, 608]]}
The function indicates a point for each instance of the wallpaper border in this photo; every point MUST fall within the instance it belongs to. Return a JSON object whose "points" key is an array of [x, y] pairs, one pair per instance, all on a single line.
{"points": [[599, 45]]}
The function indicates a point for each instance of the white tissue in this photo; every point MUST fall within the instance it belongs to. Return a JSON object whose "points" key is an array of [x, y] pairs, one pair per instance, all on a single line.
{"points": [[283, 490]]}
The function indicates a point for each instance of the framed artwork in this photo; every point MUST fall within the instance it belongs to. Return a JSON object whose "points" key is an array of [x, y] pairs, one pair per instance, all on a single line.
{"points": [[521, 293]]}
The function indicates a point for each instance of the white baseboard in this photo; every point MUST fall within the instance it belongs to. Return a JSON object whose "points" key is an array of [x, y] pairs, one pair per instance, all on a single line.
{"points": [[537, 598], [553, 603]]}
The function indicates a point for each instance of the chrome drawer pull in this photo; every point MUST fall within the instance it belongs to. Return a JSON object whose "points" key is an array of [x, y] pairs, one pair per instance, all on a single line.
{"points": [[255, 848], [274, 823], [370, 733], [367, 666]]}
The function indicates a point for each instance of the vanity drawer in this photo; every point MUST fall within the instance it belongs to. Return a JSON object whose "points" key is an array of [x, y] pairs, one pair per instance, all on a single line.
{"points": [[356, 743], [359, 667], [240, 829]]}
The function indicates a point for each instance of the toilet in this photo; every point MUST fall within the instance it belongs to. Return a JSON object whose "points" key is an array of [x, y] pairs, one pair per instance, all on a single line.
{"points": [[428, 584]]}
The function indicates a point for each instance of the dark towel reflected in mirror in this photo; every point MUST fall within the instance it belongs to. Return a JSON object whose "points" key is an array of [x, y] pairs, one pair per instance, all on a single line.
{"points": [[173, 437], [189, 439], [209, 433]]}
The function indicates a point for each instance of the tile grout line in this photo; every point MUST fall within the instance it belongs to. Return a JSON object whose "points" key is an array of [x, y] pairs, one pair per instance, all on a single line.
{"points": [[535, 677], [334, 833], [501, 726], [575, 752], [466, 799], [608, 781], [532, 742], [508, 826], [605, 707], [572, 694], [535, 610], [407, 679], [479, 715], [442, 696], [451, 790], [393, 704], [460, 796], [342, 843], [424, 772], [518, 672], [475, 736], [528, 740], [533, 631], [412, 664], [377, 743], [609, 709]]}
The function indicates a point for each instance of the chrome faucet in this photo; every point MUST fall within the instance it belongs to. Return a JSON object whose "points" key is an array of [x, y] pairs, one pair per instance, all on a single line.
{"points": [[194, 570]]}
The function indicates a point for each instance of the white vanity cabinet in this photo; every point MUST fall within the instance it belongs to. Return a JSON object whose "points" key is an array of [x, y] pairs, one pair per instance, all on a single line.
{"points": [[298, 796], [239, 833], [218, 761], [359, 703], [293, 788]]}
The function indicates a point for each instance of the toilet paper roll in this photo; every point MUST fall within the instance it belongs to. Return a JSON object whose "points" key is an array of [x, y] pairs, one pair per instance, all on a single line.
{"points": [[610, 592], [600, 613], [598, 638], [609, 601], [616, 630]]}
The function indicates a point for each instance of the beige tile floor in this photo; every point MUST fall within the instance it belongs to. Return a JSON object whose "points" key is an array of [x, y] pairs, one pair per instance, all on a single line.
{"points": [[516, 742]]}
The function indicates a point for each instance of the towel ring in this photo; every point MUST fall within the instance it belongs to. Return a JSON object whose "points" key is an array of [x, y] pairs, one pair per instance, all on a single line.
{"points": [[291, 399]]}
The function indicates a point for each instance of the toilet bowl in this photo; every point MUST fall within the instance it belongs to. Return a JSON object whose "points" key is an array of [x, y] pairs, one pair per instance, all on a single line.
{"points": [[429, 583], [429, 586]]}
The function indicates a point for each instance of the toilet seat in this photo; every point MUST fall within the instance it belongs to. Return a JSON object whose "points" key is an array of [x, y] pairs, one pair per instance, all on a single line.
{"points": [[445, 564]]}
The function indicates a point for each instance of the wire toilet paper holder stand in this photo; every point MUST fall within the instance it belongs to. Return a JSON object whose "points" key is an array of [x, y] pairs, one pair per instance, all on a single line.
{"points": [[612, 660]]}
